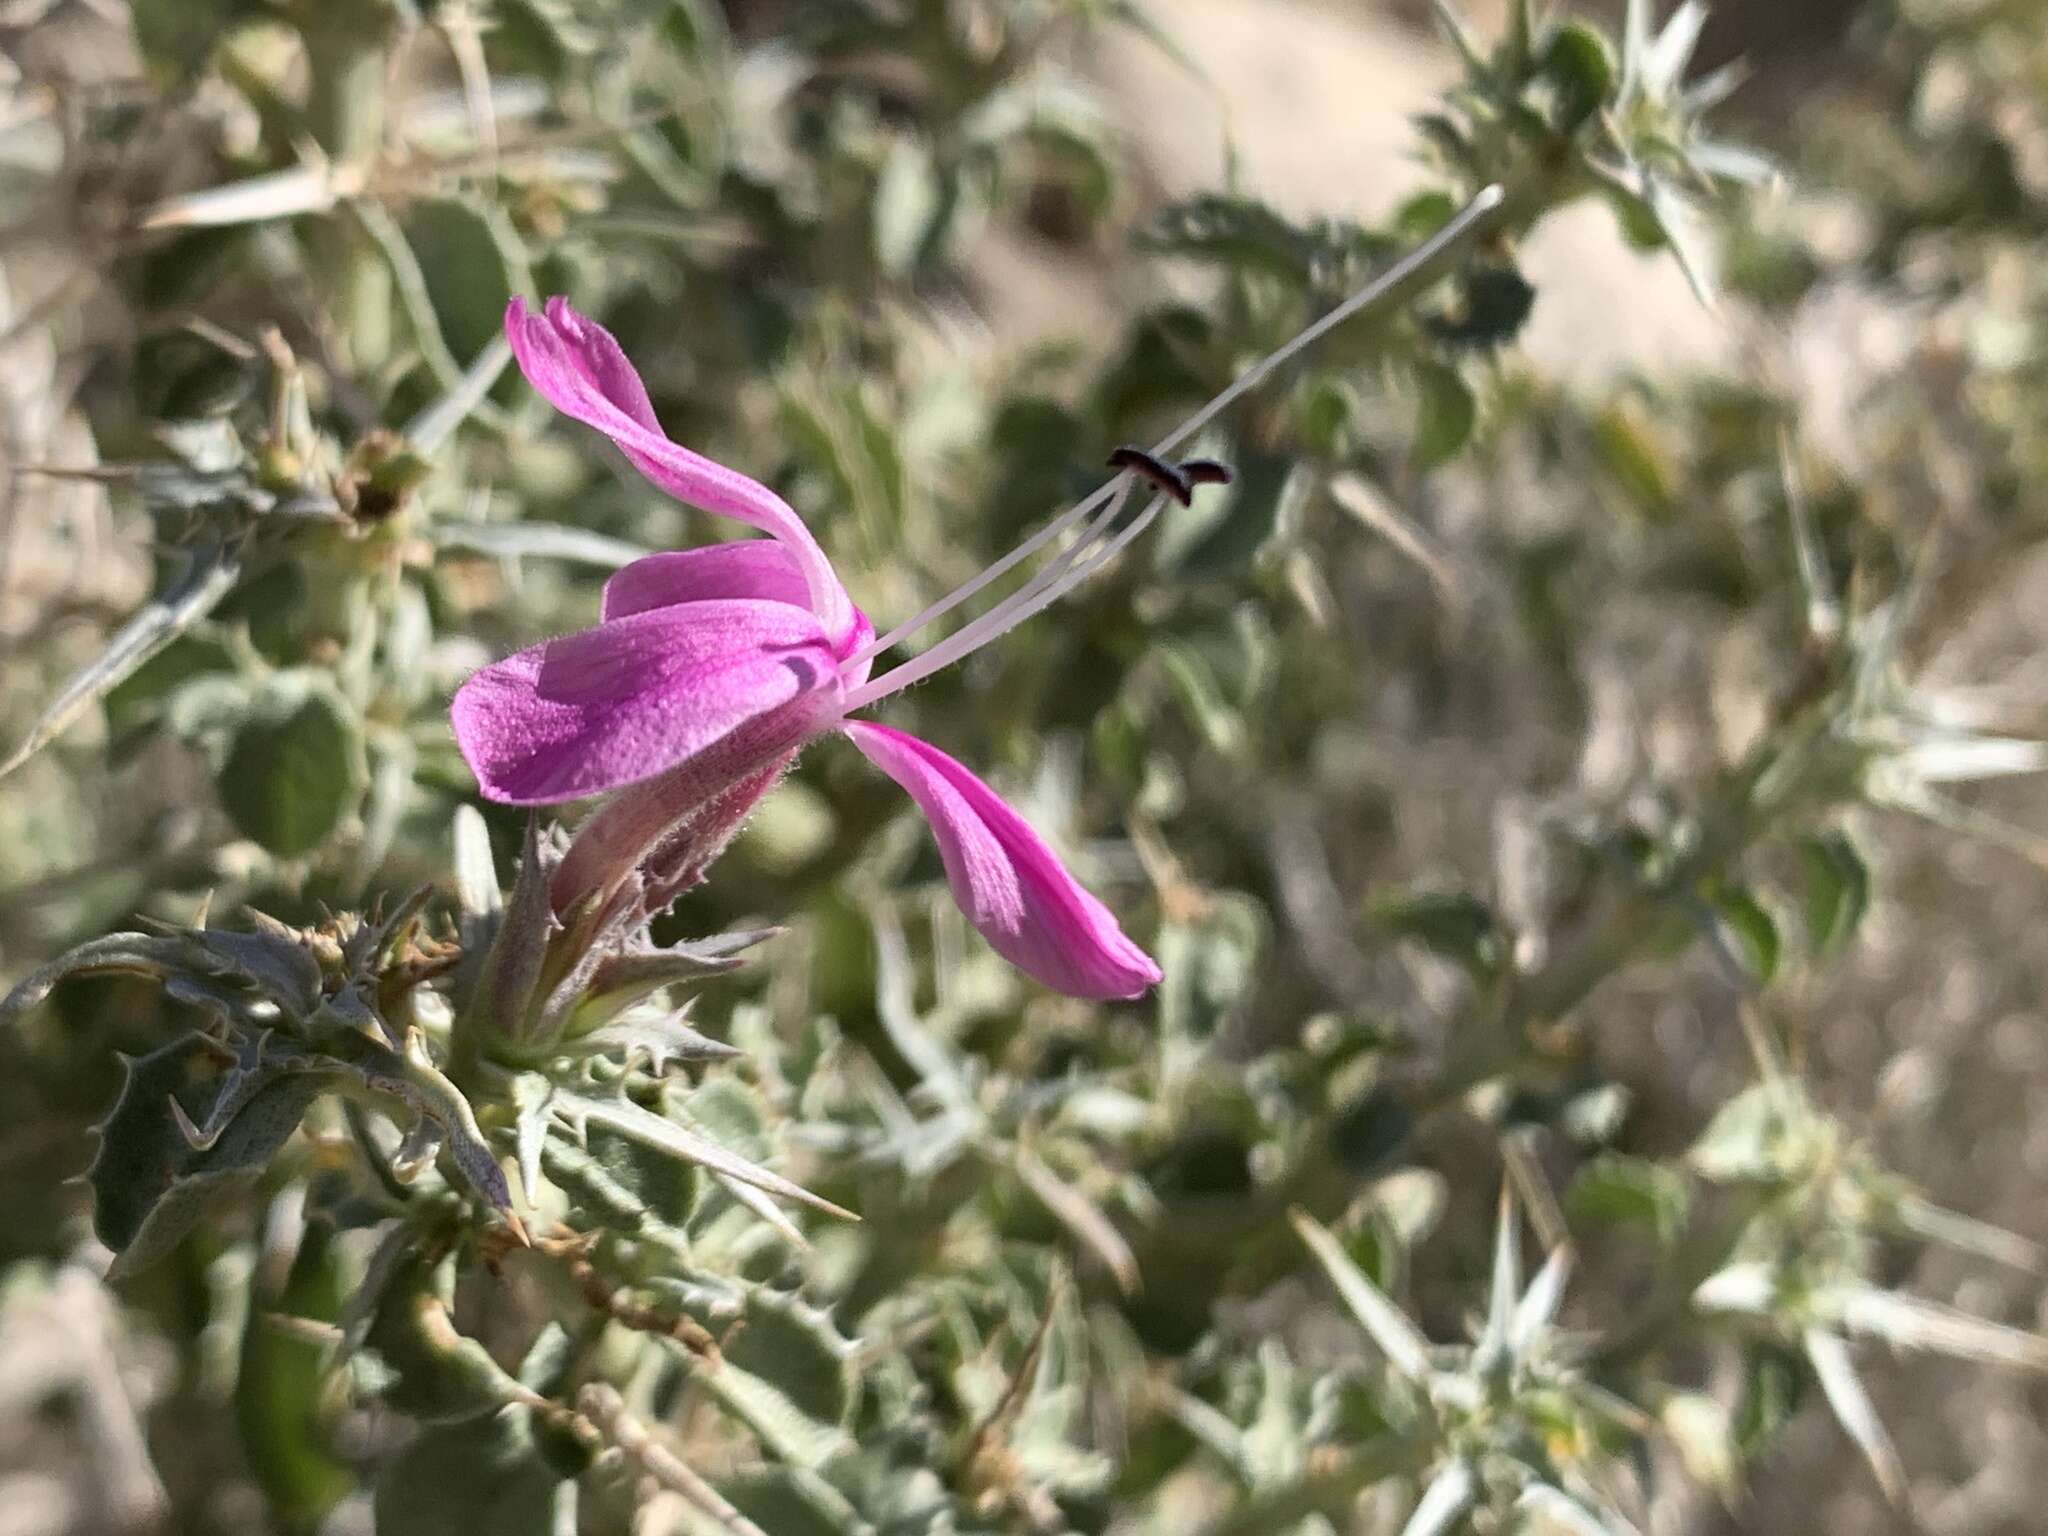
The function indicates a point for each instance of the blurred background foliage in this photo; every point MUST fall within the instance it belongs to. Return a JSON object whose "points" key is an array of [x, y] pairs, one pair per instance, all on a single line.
{"points": [[1587, 754]]}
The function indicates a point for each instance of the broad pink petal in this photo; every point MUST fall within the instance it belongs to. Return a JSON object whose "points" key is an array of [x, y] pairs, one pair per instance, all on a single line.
{"points": [[633, 697], [746, 568], [579, 367], [1010, 885]]}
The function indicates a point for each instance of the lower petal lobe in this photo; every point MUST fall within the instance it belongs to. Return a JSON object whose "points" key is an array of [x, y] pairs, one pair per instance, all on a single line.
{"points": [[1010, 885], [638, 695]]}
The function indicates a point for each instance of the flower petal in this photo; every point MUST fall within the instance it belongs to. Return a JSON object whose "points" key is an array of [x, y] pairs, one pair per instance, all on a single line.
{"points": [[1007, 881], [579, 367], [745, 568], [635, 696]]}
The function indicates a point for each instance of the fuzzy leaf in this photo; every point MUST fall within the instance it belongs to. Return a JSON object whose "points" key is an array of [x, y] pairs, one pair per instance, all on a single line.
{"points": [[909, 207], [786, 1429], [473, 262], [629, 1119], [150, 1184], [484, 1474], [653, 1044], [601, 1200], [544, 541], [788, 1501], [296, 767], [660, 1183], [1448, 1496], [796, 1349], [139, 954], [1839, 1383], [427, 1368], [476, 872]]}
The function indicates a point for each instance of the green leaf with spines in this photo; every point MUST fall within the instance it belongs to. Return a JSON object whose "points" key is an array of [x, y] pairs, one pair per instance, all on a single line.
{"points": [[796, 1348], [602, 1202], [140, 1149], [793, 1435], [139, 954], [660, 1184], [414, 1081], [728, 1109], [1242, 232], [150, 1184]]}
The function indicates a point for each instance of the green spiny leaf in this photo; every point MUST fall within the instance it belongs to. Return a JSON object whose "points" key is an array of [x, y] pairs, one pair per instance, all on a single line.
{"points": [[796, 1349], [139, 954]]}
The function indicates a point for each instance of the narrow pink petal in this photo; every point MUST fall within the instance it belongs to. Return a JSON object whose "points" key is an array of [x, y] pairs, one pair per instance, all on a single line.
{"points": [[1010, 885], [579, 367], [633, 697], [747, 568]]}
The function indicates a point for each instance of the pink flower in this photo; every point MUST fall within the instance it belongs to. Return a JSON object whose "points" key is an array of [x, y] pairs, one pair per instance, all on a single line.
{"points": [[711, 668]]}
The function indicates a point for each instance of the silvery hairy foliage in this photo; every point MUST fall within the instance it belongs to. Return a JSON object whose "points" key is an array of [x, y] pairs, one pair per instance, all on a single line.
{"points": [[1362, 1047]]}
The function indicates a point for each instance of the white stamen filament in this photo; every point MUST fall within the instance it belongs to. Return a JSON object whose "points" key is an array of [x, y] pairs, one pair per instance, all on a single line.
{"points": [[1013, 611], [1095, 547], [959, 595]]}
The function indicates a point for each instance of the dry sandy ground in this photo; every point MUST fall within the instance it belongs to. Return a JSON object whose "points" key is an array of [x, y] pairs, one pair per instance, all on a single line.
{"points": [[1315, 100]]}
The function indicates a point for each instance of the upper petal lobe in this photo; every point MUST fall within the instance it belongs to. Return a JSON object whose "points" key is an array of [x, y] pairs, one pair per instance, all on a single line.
{"points": [[758, 568], [1008, 882], [579, 367]]}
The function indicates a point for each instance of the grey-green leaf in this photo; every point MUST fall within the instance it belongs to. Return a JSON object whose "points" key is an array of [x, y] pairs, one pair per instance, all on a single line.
{"points": [[481, 1474], [297, 766]]}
